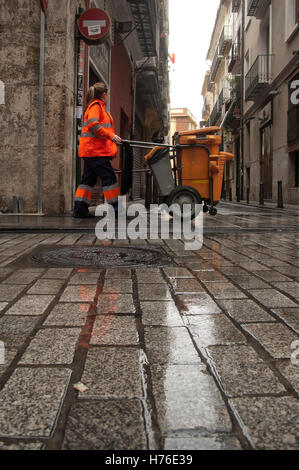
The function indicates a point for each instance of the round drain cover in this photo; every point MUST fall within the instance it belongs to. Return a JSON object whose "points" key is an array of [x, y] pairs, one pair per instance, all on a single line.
{"points": [[102, 256]]}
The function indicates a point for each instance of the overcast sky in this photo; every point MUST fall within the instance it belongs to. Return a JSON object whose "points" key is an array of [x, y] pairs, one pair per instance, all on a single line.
{"points": [[191, 24]]}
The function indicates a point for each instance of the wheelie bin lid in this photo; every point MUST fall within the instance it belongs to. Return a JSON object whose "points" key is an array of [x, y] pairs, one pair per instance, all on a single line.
{"points": [[203, 130], [155, 154]]}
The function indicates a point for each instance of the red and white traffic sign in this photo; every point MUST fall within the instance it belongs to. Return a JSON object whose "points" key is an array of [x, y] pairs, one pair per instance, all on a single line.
{"points": [[94, 25]]}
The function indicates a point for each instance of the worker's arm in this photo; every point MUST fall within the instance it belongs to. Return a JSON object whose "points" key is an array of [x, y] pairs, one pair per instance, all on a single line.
{"points": [[96, 126]]}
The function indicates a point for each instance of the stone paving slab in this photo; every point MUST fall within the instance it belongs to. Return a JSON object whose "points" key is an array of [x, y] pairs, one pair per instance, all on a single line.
{"points": [[15, 330], [68, 315], [177, 273], [149, 278], [114, 330], [34, 305], [275, 338], [57, 273], [112, 373], [154, 292], [104, 425], [120, 273], [200, 304], [209, 330], [9, 355], [290, 372], [115, 303], [251, 282], [160, 314], [271, 422], [8, 293], [30, 402], [182, 442], [85, 293], [46, 286], [52, 346], [3, 305], [224, 290], [186, 286], [84, 278], [170, 346], [291, 288], [272, 298], [187, 398], [21, 277], [290, 316], [241, 371], [118, 286], [21, 446], [246, 311]]}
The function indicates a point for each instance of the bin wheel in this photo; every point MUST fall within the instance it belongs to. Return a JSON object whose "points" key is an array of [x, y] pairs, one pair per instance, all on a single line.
{"points": [[205, 208], [213, 211], [185, 195]]}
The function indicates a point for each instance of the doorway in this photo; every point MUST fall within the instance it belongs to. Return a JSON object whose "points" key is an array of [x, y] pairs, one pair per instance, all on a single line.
{"points": [[266, 161]]}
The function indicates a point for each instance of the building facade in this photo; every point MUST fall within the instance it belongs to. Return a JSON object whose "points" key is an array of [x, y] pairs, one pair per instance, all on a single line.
{"points": [[181, 119], [254, 48], [38, 148]]}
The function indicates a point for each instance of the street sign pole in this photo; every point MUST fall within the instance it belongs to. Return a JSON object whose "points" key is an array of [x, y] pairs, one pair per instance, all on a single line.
{"points": [[41, 114]]}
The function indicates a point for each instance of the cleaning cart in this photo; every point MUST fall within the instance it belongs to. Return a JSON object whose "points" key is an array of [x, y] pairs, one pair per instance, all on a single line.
{"points": [[190, 171]]}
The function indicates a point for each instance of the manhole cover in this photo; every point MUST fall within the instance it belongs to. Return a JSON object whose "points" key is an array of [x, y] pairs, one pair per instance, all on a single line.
{"points": [[94, 256]]}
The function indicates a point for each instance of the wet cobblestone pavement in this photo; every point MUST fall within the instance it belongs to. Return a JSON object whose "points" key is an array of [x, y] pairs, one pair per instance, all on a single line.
{"points": [[194, 355]]}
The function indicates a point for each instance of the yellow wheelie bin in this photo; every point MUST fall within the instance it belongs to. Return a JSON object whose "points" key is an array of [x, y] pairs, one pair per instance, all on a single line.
{"points": [[201, 165]]}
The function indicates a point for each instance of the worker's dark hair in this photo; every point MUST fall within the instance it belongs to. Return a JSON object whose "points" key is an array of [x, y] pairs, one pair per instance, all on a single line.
{"points": [[95, 92]]}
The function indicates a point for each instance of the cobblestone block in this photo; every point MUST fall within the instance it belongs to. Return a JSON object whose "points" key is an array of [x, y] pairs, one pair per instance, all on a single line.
{"points": [[115, 303], [195, 441], [103, 425], [82, 293], [224, 290], [112, 373], [170, 346], [31, 305], [290, 372], [160, 314], [84, 278], [241, 371], [177, 273], [113, 330], [271, 422], [199, 304], [275, 338], [290, 316], [68, 315], [118, 286], [8, 293], [154, 292], [52, 346], [21, 277], [272, 298], [46, 286], [187, 398], [245, 311], [57, 273], [15, 330], [186, 286], [30, 402], [208, 330], [121, 273]]}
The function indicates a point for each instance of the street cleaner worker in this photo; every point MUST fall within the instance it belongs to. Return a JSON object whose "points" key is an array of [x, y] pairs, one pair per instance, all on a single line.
{"points": [[97, 148]]}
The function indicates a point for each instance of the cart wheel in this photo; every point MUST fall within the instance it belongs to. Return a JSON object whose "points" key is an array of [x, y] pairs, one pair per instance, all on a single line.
{"points": [[185, 195], [205, 208], [213, 211]]}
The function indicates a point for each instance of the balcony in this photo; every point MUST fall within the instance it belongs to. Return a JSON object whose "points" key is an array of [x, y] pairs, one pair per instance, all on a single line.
{"points": [[236, 6], [234, 66], [210, 84], [293, 124], [225, 41], [144, 14], [215, 65], [205, 110], [217, 110], [257, 8], [258, 78]]}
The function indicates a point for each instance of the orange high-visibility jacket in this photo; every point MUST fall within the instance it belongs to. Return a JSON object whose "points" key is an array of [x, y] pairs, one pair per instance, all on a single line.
{"points": [[97, 132]]}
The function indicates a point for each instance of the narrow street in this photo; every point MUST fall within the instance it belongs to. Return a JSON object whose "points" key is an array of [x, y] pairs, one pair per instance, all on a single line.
{"points": [[196, 350]]}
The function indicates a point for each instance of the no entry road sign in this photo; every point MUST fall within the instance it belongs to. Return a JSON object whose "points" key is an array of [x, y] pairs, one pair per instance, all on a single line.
{"points": [[94, 26]]}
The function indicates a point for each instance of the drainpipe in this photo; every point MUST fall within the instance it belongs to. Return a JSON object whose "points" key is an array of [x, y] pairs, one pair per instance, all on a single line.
{"points": [[134, 81], [41, 115], [241, 168]]}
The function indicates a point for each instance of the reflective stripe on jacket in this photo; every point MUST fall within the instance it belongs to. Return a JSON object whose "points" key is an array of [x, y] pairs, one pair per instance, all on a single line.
{"points": [[97, 132]]}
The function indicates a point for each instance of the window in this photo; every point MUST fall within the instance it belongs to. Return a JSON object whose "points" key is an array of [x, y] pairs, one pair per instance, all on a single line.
{"points": [[291, 18]]}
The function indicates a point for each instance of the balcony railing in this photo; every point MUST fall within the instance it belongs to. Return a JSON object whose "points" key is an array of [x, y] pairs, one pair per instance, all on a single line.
{"points": [[215, 65], [258, 77], [217, 110], [293, 124], [257, 8], [225, 40], [234, 65], [236, 5], [210, 84], [205, 109]]}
